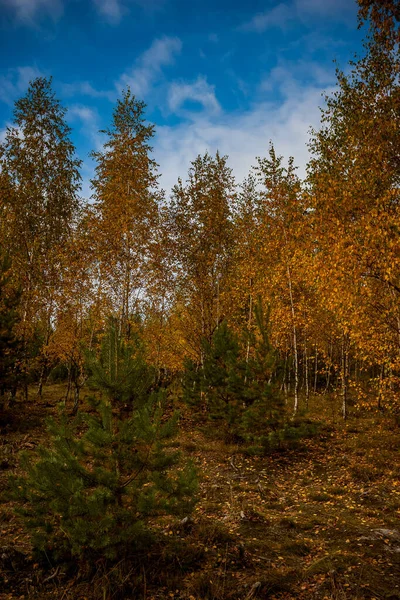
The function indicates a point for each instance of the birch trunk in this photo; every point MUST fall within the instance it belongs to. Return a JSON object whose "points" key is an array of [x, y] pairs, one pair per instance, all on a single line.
{"points": [[344, 374], [248, 331], [315, 369], [295, 352], [306, 373]]}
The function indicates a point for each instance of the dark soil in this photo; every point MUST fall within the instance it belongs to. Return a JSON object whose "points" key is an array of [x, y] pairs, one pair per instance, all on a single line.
{"points": [[319, 521]]}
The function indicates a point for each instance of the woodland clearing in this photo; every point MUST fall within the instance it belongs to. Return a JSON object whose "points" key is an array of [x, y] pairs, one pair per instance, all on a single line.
{"points": [[318, 520]]}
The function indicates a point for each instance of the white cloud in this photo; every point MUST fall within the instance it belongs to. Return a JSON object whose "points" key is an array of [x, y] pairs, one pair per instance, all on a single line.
{"points": [[338, 8], [242, 136], [89, 123], [149, 65], [113, 10], [286, 13], [200, 92], [286, 75], [26, 75], [110, 9], [85, 88], [84, 113], [3, 132], [27, 11], [280, 16], [15, 83], [140, 78], [87, 174]]}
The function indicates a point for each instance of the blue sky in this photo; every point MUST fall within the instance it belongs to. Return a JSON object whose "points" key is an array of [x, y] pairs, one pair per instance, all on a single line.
{"points": [[215, 74]]}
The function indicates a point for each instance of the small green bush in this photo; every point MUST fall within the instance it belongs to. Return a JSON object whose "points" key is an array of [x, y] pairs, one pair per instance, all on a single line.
{"points": [[95, 493], [234, 389], [119, 369]]}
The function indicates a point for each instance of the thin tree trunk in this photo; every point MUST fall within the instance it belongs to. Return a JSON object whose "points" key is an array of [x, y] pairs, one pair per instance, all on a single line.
{"points": [[217, 319], [315, 369], [24, 366], [296, 358], [42, 380], [344, 374], [248, 330], [203, 327], [43, 377], [66, 397], [76, 399], [382, 373], [328, 376], [306, 373], [284, 386]]}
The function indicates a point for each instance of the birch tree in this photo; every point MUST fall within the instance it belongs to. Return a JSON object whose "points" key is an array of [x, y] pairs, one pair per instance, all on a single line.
{"points": [[201, 241], [126, 200], [355, 181], [41, 172]]}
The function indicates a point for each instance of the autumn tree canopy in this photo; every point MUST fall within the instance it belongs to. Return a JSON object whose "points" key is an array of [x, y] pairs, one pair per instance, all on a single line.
{"points": [[322, 255]]}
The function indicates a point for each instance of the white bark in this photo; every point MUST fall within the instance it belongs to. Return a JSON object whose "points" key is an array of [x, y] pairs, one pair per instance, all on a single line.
{"points": [[295, 352]]}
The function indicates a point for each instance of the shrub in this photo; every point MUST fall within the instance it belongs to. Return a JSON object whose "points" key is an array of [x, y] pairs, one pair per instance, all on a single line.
{"points": [[120, 370], [95, 493], [236, 391]]}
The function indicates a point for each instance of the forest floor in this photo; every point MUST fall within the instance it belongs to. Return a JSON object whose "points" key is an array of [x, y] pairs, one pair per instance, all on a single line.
{"points": [[318, 521]]}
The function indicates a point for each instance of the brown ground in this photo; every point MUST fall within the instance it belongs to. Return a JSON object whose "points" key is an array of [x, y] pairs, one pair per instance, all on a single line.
{"points": [[320, 521]]}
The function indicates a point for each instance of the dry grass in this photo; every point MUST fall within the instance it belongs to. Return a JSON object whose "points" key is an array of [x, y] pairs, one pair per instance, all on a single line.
{"points": [[306, 523]]}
